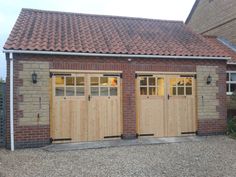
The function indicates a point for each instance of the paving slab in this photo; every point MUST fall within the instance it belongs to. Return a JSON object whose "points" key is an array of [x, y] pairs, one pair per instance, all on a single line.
{"points": [[119, 142]]}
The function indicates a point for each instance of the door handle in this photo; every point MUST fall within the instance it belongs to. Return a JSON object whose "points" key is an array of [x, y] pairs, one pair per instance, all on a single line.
{"points": [[168, 96], [89, 97]]}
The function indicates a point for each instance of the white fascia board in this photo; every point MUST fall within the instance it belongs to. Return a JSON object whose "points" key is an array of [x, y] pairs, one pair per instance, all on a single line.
{"points": [[114, 55]]}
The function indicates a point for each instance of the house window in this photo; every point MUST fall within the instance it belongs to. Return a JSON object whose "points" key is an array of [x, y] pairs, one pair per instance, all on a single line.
{"points": [[231, 82]]}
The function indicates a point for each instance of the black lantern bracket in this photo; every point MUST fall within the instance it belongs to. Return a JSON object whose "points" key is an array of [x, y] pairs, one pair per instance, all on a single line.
{"points": [[209, 79], [34, 77]]}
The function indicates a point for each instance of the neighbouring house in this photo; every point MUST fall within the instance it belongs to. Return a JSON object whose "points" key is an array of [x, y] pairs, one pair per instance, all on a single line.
{"points": [[218, 18], [75, 77], [214, 18]]}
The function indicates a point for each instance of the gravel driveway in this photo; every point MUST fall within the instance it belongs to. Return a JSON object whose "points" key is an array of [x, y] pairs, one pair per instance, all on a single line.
{"points": [[214, 156]]}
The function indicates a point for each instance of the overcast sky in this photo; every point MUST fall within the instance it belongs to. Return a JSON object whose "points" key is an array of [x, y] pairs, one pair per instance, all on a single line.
{"points": [[157, 9]]}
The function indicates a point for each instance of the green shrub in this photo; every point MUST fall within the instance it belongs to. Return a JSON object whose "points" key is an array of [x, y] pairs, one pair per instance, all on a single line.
{"points": [[231, 127]]}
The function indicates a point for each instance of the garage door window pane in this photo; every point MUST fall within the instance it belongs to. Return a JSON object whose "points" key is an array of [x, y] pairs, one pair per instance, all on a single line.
{"points": [[180, 82], [80, 91], [173, 91], [143, 81], [94, 91], [70, 81], [112, 81], [180, 90], [152, 81], [188, 90], [80, 81], [172, 82], [160, 86], [103, 81], [94, 81], [59, 91], [104, 91], [188, 81], [143, 90], [70, 91], [113, 91], [152, 91], [59, 80]]}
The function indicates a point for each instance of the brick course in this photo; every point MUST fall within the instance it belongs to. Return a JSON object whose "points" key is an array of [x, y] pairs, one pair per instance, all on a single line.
{"points": [[29, 135]]}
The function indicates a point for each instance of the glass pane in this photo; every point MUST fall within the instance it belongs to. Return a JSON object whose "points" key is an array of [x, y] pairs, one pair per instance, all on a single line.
{"points": [[59, 91], [143, 90], [113, 91], [172, 82], [152, 91], [104, 81], [180, 81], [59, 80], [143, 81], [227, 77], [70, 81], [180, 90], [103, 91], [112, 81], [172, 91], [227, 85], [79, 91], [160, 84], [232, 87], [188, 90], [233, 76], [94, 91], [188, 81], [70, 91], [80, 81], [94, 81], [152, 81]]}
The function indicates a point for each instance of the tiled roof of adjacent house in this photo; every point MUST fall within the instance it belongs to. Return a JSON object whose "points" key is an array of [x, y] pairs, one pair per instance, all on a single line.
{"points": [[39, 30], [228, 51]]}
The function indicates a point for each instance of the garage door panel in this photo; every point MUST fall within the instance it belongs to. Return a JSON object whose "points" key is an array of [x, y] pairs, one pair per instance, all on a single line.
{"points": [[166, 105], [176, 113], [78, 123], [189, 121], [112, 118], [151, 117], [85, 107]]}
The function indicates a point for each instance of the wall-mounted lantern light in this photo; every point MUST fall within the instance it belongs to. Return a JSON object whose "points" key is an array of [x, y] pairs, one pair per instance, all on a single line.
{"points": [[209, 79], [34, 77]]}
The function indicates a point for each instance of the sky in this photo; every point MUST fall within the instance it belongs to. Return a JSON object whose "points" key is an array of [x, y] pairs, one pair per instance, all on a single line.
{"points": [[156, 9]]}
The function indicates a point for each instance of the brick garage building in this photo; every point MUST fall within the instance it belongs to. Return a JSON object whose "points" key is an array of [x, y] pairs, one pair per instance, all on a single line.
{"points": [[80, 77]]}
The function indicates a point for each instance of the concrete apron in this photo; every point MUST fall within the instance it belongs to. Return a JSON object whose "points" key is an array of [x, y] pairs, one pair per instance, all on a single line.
{"points": [[119, 143]]}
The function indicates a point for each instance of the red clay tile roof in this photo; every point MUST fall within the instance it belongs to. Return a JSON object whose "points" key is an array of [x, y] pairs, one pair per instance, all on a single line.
{"points": [[229, 52], [39, 30]]}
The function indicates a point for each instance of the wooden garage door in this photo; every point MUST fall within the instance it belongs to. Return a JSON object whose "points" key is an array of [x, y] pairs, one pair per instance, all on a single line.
{"points": [[165, 105], [85, 107]]}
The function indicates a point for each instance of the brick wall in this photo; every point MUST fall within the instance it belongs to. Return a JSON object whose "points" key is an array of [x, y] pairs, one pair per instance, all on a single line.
{"points": [[35, 97], [211, 98], [216, 18], [33, 134]]}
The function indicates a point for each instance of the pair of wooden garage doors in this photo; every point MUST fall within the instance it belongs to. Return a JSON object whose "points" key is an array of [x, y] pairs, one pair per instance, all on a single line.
{"points": [[87, 107]]}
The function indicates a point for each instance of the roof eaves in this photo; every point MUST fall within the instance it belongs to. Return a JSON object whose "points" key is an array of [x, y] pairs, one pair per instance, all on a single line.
{"points": [[117, 55]]}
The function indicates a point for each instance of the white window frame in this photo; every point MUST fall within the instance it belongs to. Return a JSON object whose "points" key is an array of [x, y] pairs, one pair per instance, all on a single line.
{"points": [[229, 82]]}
